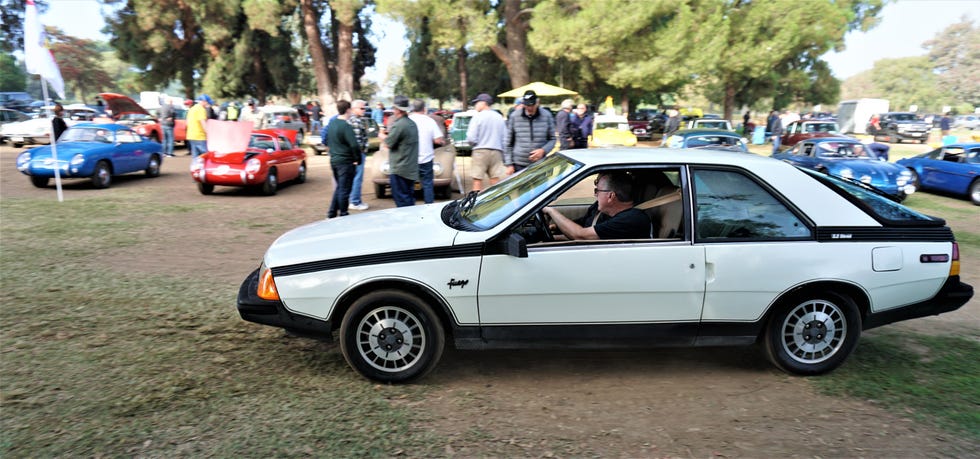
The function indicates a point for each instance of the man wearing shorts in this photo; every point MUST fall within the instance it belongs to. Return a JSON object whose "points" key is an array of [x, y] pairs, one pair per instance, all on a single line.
{"points": [[486, 133]]}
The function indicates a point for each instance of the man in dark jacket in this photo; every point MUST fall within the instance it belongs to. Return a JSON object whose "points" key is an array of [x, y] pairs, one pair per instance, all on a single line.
{"points": [[345, 155], [402, 139], [530, 134]]}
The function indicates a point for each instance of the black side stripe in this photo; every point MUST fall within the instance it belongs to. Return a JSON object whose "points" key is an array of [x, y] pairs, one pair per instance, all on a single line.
{"points": [[851, 233], [459, 251]]}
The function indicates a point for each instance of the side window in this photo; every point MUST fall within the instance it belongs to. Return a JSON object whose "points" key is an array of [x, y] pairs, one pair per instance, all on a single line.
{"points": [[284, 144], [807, 149], [126, 137], [973, 157], [732, 206]]}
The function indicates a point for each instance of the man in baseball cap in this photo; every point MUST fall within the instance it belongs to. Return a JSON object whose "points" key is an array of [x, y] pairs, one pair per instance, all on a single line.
{"points": [[483, 97], [486, 133]]}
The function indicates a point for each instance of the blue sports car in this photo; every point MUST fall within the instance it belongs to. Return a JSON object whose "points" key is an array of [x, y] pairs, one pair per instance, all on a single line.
{"points": [[848, 158], [953, 169], [94, 151]]}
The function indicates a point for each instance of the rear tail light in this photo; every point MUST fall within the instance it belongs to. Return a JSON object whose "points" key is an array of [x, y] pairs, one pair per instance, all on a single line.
{"points": [[954, 267]]}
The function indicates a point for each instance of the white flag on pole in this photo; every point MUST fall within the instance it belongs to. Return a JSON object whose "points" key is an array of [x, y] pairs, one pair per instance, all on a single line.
{"points": [[37, 57]]}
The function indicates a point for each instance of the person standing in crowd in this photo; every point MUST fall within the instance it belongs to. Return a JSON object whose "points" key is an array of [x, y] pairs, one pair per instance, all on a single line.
{"points": [[356, 121], [167, 118], [402, 139], [486, 133], [582, 127], [770, 120], [345, 155], [197, 118], [378, 115], [530, 134], [745, 123], [777, 132], [562, 122], [673, 124], [945, 124], [316, 112], [430, 136], [58, 125]]}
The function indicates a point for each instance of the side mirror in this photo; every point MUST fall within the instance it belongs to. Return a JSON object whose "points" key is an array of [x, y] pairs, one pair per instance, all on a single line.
{"points": [[516, 246]]}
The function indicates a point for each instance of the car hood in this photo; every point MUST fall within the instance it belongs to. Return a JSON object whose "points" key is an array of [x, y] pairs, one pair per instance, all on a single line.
{"points": [[374, 233], [122, 105], [881, 169]]}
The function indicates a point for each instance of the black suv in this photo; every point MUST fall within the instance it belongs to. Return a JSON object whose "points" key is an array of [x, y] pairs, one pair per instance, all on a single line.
{"points": [[899, 126]]}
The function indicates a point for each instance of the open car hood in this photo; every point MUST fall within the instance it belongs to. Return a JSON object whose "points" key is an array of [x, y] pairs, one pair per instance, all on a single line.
{"points": [[122, 105]]}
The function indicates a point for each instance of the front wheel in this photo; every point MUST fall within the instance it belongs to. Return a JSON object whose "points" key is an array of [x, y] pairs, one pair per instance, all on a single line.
{"points": [[379, 190], [391, 336], [914, 180], [271, 184], [205, 188], [40, 182], [813, 333], [299, 137], [102, 176], [975, 192], [153, 167], [301, 178]]}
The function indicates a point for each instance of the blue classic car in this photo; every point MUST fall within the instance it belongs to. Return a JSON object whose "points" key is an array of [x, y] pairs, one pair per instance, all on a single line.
{"points": [[714, 139], [847, 158], [953, 169], [94, 151]]}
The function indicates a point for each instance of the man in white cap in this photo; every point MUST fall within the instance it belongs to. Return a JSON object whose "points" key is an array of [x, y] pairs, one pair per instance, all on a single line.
{"points": [[402, 139], [486, 133], [430, 136]]}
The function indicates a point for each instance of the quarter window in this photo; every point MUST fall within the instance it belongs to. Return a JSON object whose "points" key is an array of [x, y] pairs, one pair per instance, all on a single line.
{"points": [[733, 206]]}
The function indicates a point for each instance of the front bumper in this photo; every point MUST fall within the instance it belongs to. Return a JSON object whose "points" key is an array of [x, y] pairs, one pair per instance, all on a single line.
{"points": [[950, 297], [274, 313]]}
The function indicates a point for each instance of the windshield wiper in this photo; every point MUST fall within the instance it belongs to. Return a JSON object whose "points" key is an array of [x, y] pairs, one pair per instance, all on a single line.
{"points": [[464, 204]]}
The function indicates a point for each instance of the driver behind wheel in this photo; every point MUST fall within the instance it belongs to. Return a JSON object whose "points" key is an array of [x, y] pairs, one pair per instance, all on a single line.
{"points": [[612, 216]]}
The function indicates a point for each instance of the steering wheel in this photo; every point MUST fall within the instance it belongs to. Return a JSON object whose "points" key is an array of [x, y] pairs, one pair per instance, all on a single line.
{"points": [[540, 222]]}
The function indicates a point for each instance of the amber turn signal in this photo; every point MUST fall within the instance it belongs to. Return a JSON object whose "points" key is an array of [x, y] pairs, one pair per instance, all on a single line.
{"points": [[267, 286]]}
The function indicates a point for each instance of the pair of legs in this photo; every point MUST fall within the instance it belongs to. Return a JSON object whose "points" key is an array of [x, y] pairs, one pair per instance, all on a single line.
{"points": [[355, 192], [426, 178], [402, 191], [168, 140], [198, 147], [487, 163], [344, 175]]}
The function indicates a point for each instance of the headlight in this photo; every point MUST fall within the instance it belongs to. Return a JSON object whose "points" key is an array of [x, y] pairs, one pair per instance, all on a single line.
{"points": [[253, 165], [141, 130], [846, 173], [77, 159], [436, 169], [23, 161], [386, 168], [197, 164]]}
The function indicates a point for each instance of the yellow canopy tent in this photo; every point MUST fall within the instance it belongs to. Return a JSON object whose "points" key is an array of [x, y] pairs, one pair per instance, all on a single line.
{"points": [[540, 88]]}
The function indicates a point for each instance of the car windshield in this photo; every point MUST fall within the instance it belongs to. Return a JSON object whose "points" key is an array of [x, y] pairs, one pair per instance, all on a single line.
{"points": [[842, 150], [500, 201], [878, 204], [460, 123], [820, 127], [712, 124], [261, 142], [78, 134], [904, 117], [612, 125], [136, 117], [703, 141]]}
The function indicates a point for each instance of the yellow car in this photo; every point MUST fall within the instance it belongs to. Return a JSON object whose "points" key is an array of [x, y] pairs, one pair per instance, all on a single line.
{"points": [[611, 131]]}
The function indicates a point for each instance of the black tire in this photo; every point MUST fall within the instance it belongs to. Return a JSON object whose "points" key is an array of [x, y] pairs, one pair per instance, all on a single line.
{"points": [[444, 192], [391, 336], [974, 192], [40, 182], [271, 184], [102, 175], [379, 190], [18, 145], [813, 332], [153, 166], [205, 188], [301, 178], [299, 138]]}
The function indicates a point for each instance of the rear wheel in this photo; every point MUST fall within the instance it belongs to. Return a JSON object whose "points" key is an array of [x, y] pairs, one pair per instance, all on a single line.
{"points": [[301, 178], [40, 182], [205, 188], [391, 336], [102, 176], [271, 184], [153, 167], [914, 180], [975, 192], [379, 190], [813, 333], [299, 137]]}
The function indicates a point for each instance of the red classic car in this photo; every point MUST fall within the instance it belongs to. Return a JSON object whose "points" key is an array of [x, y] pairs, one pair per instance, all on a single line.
{"points": [[801, 130], [127, 112], [269, 158]]}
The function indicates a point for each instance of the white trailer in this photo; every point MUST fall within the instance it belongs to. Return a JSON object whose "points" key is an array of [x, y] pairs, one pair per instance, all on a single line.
{"points": [[853, 115]]}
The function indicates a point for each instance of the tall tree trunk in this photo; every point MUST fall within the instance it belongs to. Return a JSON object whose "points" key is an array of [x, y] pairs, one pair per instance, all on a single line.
{"points": [[463, 76], [729, 100], [345, 61], [514, 54], [311, 25]]}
